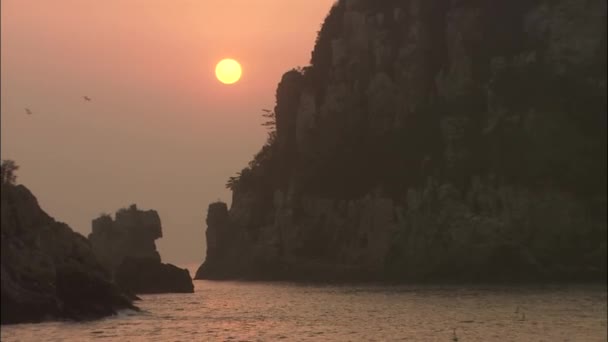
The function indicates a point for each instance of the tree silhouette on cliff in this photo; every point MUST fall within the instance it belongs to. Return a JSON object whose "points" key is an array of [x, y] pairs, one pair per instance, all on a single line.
{"points": [[7, 171], [263, 157]]}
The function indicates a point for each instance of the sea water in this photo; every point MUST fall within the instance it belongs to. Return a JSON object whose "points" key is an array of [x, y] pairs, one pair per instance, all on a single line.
{"points": [[260, 311]]}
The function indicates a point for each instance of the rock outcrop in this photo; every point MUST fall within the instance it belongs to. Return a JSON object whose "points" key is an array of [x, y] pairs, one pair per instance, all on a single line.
{"points": [[48, 270], [146, 275], [127, 249], [132, 234], [431, 139], [218, 239]]}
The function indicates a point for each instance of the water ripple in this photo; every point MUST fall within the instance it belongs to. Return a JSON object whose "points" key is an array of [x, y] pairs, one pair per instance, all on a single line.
{"points": [[232, 311]]}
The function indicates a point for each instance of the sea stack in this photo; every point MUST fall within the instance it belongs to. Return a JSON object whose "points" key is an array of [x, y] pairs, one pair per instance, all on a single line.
{"points": [[217, 232], [48, 270], [431, 140], [125, 245]]}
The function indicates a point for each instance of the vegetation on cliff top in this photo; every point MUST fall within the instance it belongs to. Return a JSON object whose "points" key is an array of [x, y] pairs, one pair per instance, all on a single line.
{"points": [[8, 170]]}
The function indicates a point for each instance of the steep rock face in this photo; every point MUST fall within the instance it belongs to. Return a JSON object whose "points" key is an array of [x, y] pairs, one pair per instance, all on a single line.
{"points": [[48, 270], [217, 240], [127, 249], [434, 139], [132, 234]]}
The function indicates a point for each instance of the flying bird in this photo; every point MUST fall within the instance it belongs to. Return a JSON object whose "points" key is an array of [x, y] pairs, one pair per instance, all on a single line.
{"points": [[28, 111], [86, 98]]}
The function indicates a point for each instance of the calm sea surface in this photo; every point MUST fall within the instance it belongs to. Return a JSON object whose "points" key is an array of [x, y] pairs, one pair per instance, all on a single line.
{"points": [[233, 311]]}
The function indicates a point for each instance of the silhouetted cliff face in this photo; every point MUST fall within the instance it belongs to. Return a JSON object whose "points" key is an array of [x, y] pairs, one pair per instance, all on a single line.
{"points": [[218, 239], [49, 271], [132, 234], [431, 139], [127, 249]]}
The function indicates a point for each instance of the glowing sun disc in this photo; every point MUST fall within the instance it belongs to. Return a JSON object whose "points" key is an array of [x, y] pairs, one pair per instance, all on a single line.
{"points": [[228, 71]]}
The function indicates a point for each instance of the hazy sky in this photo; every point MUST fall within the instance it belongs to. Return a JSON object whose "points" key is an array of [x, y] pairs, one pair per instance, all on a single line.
{"points": [[160, 130]]}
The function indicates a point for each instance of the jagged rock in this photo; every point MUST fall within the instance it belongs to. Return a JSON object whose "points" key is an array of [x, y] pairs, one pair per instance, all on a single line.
{"points": [[131, 234], [383, 106], [307, 113], [127, 249], [216, 235], [145, 275], [338, 51], [357, 31], [461, 140], [48, 270]]}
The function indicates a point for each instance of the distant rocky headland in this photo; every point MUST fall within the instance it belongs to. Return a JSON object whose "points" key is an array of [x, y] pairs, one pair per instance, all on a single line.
{"points": [[48, 270], [126, 247], [430, 140]]}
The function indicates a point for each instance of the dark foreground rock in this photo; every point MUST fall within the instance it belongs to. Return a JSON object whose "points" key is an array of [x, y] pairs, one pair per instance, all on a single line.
{"points": [[431, 140], [126, 247], [142, 276], [47, 270]]}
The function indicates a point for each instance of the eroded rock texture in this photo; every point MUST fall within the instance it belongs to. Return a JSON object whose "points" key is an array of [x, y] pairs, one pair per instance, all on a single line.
{"points": [[48, 270], [431, 139], [126, 247], [132, 234]]}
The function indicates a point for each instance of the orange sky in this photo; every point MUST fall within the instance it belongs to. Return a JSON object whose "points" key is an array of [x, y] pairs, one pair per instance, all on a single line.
{"points": [[161, 131]]}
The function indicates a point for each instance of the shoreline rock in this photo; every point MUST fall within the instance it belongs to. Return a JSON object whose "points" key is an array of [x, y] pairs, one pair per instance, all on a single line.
{"points": [[48, 270], [127, 248], [136, 274]]}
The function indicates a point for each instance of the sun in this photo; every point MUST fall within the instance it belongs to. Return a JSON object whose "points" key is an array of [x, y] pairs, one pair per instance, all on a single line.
{"points": [[228, 71]]}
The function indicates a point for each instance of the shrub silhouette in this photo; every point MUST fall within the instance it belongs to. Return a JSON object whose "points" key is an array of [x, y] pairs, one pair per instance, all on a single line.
{"points": [[242, 180], [7, 171]]}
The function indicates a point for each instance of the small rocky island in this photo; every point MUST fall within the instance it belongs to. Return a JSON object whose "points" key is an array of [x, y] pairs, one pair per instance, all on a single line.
{"points": [[48, 270], [125, 246]]}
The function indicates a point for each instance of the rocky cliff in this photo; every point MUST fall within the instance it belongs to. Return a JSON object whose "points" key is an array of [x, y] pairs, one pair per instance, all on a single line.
{"points": [[48, 270], [132, 234], [126, 247], [431, 139]]}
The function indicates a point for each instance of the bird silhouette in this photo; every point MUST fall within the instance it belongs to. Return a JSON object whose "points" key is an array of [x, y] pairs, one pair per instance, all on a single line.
{"points": [[28, 111], [86, 98]]}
